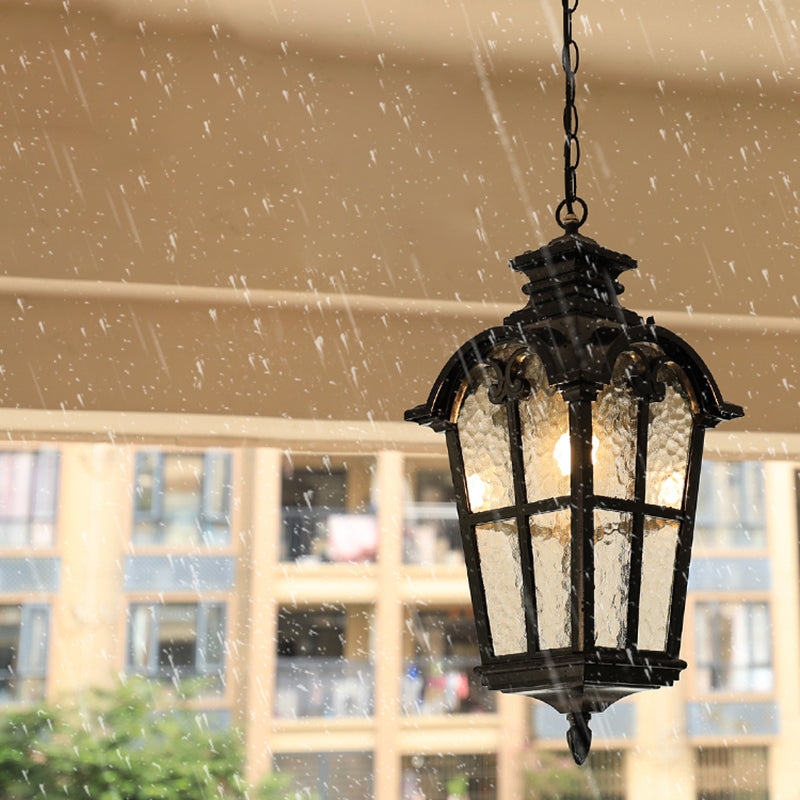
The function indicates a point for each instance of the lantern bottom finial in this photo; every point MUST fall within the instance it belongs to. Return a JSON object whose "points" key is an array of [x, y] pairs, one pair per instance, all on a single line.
{"points": [[579, 736]]}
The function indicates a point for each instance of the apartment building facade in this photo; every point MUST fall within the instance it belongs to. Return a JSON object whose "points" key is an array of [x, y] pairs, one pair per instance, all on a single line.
{"points": [[321, 601]]}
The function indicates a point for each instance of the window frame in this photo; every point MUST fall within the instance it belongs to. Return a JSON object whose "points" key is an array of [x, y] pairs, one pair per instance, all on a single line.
{"points": [[203, 666], [25, 647], [32, 515], [206, 517], [727, 693], [748, 493]]}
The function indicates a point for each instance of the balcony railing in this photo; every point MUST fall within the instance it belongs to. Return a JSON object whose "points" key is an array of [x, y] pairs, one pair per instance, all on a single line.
{"points": [[323, 687], [431, 534], [330, 535], [446, 685]]}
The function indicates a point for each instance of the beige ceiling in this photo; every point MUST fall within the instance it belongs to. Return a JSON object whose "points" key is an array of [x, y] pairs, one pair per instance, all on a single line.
{"points": [[275, 209]]}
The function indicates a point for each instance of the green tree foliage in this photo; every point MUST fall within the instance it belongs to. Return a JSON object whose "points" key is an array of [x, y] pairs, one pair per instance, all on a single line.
{"points": [[130, 743], [554, 776]]}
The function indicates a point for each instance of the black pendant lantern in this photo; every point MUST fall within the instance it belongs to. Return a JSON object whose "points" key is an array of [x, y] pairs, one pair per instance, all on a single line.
{"points": [[575, 437]]}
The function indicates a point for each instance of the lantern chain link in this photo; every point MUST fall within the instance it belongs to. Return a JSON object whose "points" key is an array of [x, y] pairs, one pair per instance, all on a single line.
{"points": [[570, 60]]}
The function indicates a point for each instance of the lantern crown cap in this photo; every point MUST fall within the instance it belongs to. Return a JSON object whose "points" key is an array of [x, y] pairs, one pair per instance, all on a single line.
{"points": [[573, 274]]}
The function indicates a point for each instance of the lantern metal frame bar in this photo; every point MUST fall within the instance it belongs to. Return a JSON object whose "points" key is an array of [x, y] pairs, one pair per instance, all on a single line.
{"points": [[523, 524], [603, 502], [581, 519], [471, 558], [637, 531], [681, 574]]}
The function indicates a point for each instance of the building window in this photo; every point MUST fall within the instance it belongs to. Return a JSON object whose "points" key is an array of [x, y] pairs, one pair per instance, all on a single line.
{"points": [[28, 498], [328, 512], [23, 652], [731, 773], [324, 662], [440, 777], [441, 652], [430, 526], [732, 647], [182, 499], [178, 641], [731, 510], [327, 776]]}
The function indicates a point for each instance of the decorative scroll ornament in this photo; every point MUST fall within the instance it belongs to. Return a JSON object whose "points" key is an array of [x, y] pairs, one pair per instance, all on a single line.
{"points": [[644, 380], [510, 383]]}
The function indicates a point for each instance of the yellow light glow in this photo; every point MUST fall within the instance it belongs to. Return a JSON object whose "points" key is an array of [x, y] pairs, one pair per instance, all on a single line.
{"points": [[563, 453], [476, 489], [671, 490]]}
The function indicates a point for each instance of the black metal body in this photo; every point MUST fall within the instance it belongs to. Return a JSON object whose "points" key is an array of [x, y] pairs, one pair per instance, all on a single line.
{"points": [[573, 321]]}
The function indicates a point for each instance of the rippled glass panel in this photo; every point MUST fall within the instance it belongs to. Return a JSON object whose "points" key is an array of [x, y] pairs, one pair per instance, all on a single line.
{"points": [[668, 440], [612, 572], [614, 420], [501, 573], [544, 420], [550, 540], [658, 563], [483, 433]]}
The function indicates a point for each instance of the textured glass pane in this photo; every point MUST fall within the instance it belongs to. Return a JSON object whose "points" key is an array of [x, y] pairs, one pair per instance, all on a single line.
{"points": [[668, 443], [550, 538], [658, 562], [614, 419], [544, 417], [483, 432], [501, 572], [612, 571]]}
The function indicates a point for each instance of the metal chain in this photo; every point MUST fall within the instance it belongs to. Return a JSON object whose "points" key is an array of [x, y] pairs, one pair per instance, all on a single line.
{"points": [[570, 59]]}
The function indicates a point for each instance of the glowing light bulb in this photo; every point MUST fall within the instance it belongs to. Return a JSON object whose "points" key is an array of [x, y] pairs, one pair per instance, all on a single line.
{"points": [[671, 490], [476, 489], [563, 453]]}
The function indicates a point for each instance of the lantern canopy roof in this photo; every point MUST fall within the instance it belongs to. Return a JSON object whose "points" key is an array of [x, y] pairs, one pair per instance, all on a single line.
{"points": [[574, 321]]}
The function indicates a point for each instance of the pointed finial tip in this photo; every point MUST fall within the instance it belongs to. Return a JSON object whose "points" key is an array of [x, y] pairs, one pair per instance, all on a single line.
{"points": [[579, 736]]}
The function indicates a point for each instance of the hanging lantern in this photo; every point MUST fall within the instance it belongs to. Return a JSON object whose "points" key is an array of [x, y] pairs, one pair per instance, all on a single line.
{"points": [[575, 437]]}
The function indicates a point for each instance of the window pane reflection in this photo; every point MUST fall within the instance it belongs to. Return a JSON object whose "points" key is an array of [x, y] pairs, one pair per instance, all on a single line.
{"points": [[733, 651], [182, 499], [28, 498], [178, 641]]}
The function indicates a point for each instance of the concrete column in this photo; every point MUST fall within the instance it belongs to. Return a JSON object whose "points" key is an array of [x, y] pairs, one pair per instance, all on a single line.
{"points": [[88, 629], [783, 551], [389, 625], [662, 766], [261, 531], [513, 716]]}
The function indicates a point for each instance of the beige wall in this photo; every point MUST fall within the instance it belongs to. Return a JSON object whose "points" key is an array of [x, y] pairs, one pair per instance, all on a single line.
{"points": [[331, 194]]}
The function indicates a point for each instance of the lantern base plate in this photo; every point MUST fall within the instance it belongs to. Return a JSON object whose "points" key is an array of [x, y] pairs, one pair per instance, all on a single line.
{"points": [[582, 682]]}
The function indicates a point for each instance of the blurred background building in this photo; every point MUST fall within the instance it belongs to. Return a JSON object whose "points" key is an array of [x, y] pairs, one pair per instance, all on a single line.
{"points": [[320, 602], [239, 239]]}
